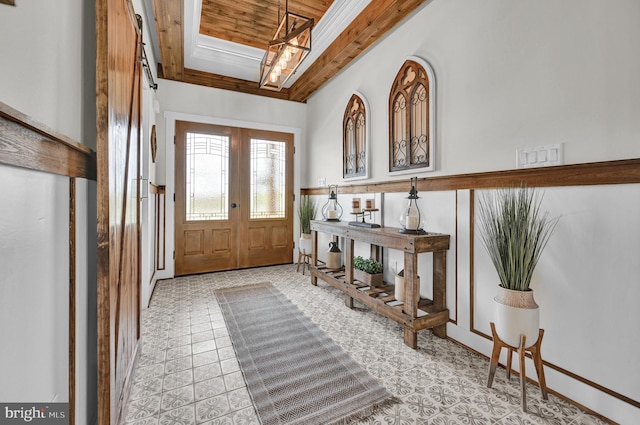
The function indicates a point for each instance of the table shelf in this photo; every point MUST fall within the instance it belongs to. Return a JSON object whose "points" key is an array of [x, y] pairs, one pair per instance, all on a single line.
{"points": [[413, 312]]}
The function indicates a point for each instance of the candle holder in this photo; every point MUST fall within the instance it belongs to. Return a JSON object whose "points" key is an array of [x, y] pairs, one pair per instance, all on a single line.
{"points": [[410, 219], [332, 211], [365, 212]]}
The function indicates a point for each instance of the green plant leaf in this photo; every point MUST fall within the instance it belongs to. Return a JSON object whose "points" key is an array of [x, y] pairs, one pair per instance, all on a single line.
{"points": [[307, 210], [369, 265], [514, 232]]}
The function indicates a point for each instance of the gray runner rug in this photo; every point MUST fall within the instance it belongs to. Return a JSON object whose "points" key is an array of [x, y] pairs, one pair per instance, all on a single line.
{"points": [[295, 374]]}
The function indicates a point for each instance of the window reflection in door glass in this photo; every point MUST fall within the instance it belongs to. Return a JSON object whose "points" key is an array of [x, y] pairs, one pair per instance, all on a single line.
{"points": [[268, 165], [207, 177]]}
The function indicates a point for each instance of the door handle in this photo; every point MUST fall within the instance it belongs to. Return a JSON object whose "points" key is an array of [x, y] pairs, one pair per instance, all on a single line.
{"points": [[234, 205]]}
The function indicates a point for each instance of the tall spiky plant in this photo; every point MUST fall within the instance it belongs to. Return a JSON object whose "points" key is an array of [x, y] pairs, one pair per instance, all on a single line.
{"points": [[514, 233], [306, 212]]}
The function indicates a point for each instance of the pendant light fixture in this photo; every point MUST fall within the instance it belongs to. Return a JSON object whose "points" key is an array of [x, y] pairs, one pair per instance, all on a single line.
{"points": [[288, 48]]}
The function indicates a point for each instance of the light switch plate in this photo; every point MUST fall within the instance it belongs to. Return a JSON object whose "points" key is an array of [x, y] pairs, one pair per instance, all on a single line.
{"points": [[540, 156]]}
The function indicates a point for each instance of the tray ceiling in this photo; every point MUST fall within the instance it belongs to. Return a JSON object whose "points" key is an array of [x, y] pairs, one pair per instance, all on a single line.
{"points": [[220, 43]]}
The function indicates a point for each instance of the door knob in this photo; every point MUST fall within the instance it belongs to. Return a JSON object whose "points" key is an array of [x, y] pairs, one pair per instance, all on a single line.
{"points": [[234, 205]]}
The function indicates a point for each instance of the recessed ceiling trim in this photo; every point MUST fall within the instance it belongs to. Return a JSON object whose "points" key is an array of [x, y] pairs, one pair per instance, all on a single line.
{"points": [[222, 57], [227, 48], [333, 22]]}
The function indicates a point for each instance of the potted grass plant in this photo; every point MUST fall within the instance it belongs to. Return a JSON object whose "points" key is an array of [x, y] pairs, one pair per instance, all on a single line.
{"points": [[368, 271], [514, 232], [307, 210]]}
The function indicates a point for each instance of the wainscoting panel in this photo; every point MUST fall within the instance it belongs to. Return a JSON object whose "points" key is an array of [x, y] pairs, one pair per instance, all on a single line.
{"points": [[587, 282], [159, 225]]}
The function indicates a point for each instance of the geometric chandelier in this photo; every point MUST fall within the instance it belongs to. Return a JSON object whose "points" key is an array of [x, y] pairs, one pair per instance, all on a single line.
{"points": [[288, 48]]}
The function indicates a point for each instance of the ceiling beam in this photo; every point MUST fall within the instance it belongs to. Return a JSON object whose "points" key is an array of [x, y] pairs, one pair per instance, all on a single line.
{"points": [[379, 17], [207, 79], [169, 21]]}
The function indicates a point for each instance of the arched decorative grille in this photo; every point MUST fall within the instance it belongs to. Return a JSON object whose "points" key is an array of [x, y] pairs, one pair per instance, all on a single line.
{"points": [[361, 148], [354, 141], [409, 119]]}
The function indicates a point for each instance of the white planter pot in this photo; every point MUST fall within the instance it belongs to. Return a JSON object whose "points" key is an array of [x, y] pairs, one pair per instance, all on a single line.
{"points": [[304, 244], [399, 288], [516, 314]]}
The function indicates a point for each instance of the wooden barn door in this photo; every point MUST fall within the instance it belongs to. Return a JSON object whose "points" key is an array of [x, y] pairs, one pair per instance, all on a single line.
{"points": [[118, 79]]}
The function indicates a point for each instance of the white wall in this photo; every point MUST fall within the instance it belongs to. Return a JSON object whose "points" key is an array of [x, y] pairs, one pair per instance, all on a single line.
{"points": [[586, 284], [187, 102], [34, 286], [41, 46], [509, 75], [512, 75], [48, 73], [147, 166]]}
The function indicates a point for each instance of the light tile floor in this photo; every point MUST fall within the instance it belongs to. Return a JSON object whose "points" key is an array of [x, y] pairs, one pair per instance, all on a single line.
{"points": [[188, 373]]}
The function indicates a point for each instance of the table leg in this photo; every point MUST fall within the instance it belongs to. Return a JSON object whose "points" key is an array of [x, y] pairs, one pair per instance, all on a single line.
{"points": [[440, 288], [348, 269], [348, 301], [314, 256], [410, 337]]}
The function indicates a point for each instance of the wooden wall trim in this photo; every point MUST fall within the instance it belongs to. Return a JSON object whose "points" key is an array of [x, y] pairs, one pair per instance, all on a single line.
{"points": [[157, 189], [594, 173], [27, 143], [72, 301], [160, 226], [206, 79]]}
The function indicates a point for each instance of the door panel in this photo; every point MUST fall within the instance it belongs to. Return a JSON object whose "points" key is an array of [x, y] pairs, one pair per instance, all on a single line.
{"points": [[266, 233], [205, 222], [118, 214], [234, 198]]}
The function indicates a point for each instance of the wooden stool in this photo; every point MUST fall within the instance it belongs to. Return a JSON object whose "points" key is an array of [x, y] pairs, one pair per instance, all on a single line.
{"points": [[304, 259], [535, 355]]}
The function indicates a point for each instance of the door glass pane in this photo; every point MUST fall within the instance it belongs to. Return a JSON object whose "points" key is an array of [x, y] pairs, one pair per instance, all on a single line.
{"points": [[207, 177], [267, 179]]}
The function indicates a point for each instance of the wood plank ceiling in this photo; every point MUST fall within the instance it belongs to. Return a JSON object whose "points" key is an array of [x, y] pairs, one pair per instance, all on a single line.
{"points": [[253, 22]]}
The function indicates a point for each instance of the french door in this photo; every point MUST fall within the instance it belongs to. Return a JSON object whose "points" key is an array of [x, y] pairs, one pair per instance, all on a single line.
{"points": [[234, 198]]}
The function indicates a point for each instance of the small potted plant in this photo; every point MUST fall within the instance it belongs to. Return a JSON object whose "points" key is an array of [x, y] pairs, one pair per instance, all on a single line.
{"points": [[368, 271], [306, 212]]}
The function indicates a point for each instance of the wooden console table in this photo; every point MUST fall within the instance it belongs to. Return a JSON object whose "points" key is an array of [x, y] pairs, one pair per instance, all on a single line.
{"points": [[412, 312]]}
